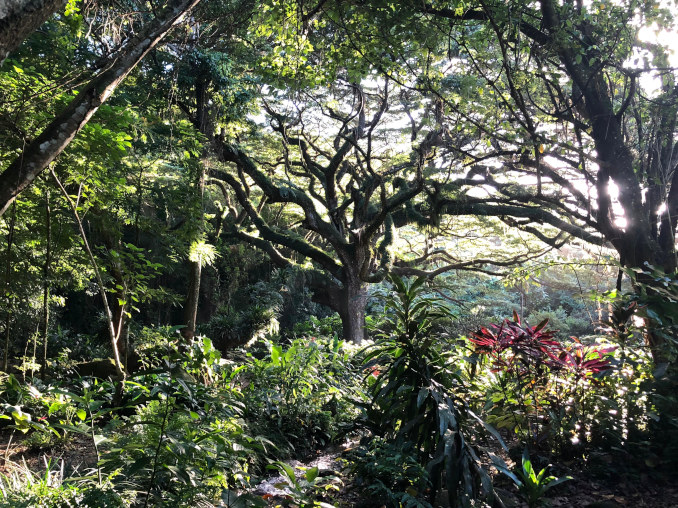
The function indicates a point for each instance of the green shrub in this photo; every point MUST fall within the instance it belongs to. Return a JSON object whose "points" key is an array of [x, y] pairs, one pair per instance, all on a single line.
{"points": [[329, 326], [563, 398], [418, 394], [564, 325], [301, 396], [186, 439], [187, 443], [232, 328], [389, 472], [21, 488]]}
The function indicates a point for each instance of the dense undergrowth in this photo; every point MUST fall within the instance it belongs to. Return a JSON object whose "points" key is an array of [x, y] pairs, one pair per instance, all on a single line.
{"points": [[435, 418]]}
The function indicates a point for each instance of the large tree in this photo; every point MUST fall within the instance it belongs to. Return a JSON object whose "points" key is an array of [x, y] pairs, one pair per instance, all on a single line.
{"points": [[551, 105], [348, 178], [596, 144], [345, 165]]}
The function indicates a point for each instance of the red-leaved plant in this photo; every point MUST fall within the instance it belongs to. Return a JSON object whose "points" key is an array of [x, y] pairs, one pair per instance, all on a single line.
{"points": [[583, 361], [539, 379], [527, 346]]}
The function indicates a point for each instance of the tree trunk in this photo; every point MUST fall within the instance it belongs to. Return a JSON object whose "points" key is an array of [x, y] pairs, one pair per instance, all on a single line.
{"points": [[349, 301], [120, 324], [193, 294], [120, 295], [20, 18], [191, 307], [61, 131], [354, 296], [100, 282], [45, 287], [8, 287]]}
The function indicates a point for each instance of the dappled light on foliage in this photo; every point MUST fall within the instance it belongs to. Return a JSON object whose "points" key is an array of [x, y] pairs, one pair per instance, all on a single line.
{"points": [[373, 253]]}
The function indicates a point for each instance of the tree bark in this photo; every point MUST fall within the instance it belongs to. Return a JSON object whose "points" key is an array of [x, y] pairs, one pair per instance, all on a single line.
{"points": [[61, 131], [8, 287], [45, 287], [193, 293], [119, 312], [349, 301], [20, 18], [192, 297], [354, 296]]}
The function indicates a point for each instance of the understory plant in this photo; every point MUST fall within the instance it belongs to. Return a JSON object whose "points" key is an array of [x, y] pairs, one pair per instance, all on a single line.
{"points": [[390, 472], [186, 441], [307, 487], [22, 488], [552, 395], [531, 485], [418, 394], [300, 396], [650, 401], [179, 435]]}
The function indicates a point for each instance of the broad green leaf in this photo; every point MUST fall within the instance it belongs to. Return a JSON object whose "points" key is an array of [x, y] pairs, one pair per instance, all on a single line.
{"points": [[312, 474]]}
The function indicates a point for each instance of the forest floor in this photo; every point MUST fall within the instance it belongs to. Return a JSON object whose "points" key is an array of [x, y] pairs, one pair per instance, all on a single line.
{"points": [[597, 487], [613, 483]]}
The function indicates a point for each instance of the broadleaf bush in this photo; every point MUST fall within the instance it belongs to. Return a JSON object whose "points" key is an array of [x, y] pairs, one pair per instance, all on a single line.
{"points": [[418, 394]]}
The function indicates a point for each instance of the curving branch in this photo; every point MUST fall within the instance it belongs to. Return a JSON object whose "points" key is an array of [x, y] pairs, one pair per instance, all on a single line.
{"points": [[282, 193], [296, 244]]}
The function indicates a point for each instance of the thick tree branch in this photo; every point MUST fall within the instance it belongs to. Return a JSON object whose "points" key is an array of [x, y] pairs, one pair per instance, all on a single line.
{"points": [[20, 18], [282, 193], [61, 131], [417, 213], [296, 244]]}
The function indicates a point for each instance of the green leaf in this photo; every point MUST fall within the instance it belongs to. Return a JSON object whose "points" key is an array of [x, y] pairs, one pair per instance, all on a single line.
{"points": [[527, 465], [275, 354], [557, 481], [503, 468], [421, 397], [82, 414], [654, 316], [55, 406], [99, 438], [489, 428], [235, 500], [288, 471], [312, 474]]}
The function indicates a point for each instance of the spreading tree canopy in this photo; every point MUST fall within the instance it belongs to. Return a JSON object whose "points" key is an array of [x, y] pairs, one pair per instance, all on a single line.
{"points": [[544, 104], [380, 119]]}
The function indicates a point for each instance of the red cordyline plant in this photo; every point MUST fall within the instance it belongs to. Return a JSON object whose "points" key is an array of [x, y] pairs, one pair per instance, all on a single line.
{"points": [[527, 346], [582, 360], [538, 376], [534, 346]]}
